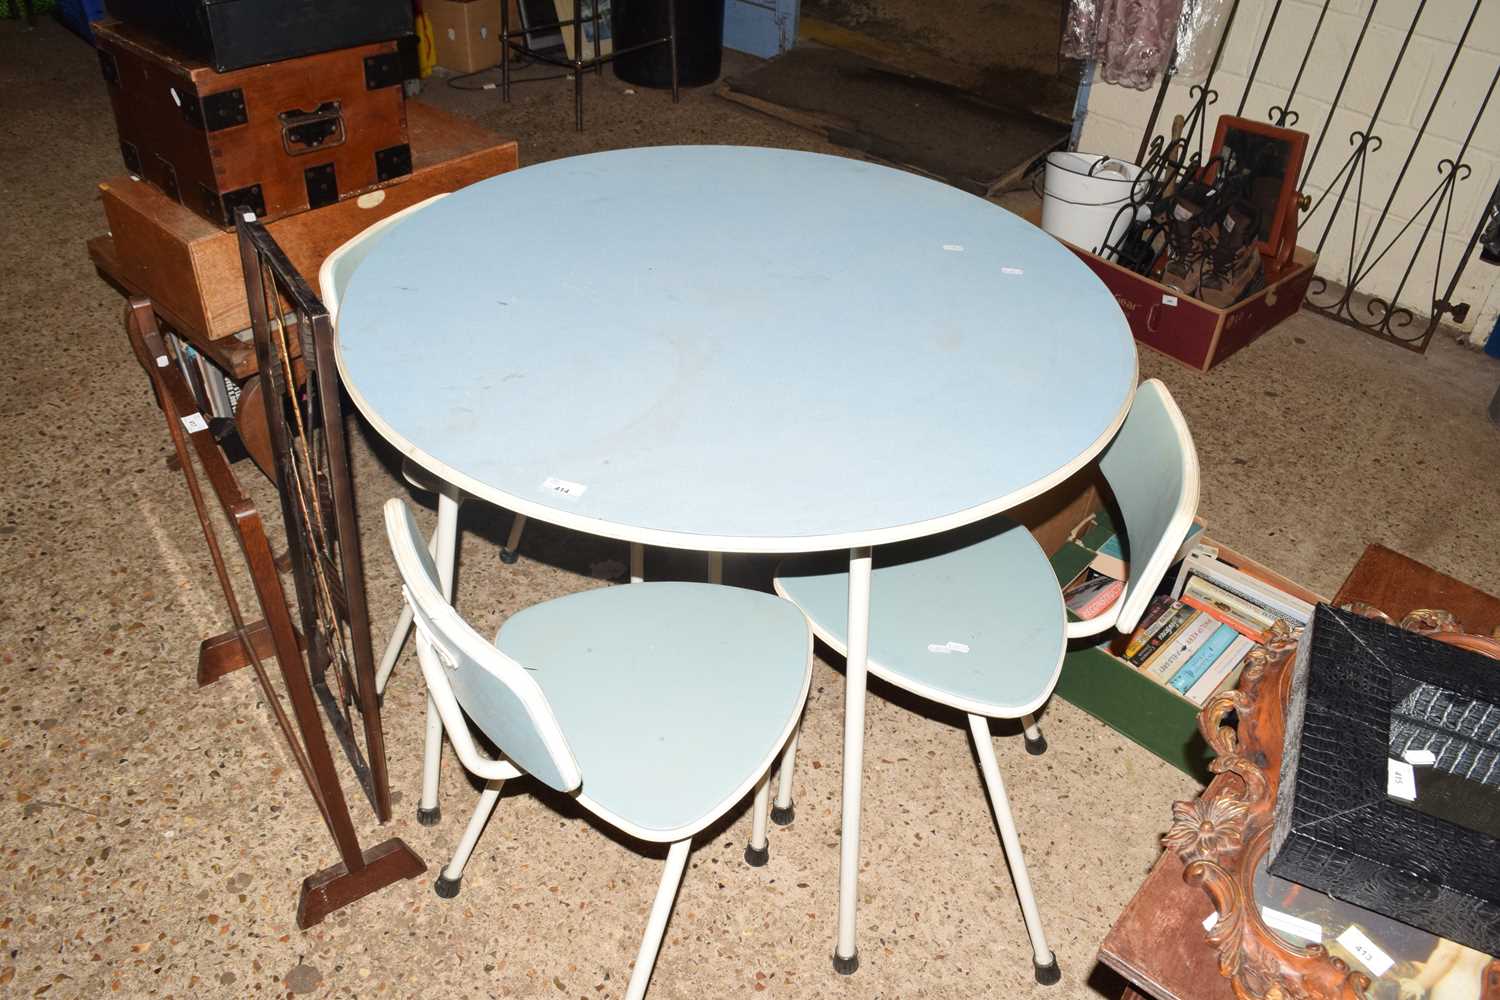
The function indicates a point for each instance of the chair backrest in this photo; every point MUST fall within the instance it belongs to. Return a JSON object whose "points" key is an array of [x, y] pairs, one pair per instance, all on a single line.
{"points": [[493, 689], [1152, 469], [339, 266]]}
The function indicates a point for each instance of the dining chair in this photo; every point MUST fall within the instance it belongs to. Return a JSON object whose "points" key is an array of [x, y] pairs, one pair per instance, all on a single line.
{"points": [[657, 707], [979, 625]]}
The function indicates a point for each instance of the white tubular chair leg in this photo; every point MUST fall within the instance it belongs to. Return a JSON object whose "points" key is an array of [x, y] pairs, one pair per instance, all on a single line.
{"points": [[393, 649], [1036, 743], [637, 562], [656, 926], [782, 810], [759, 852], [398, 635], [449, 878], [509, 554], [1047, 972], [716, 567], [428, 813]]}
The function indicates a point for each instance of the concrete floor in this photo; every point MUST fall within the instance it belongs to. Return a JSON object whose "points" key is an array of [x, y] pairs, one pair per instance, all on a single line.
{"points": [[154, 834]]}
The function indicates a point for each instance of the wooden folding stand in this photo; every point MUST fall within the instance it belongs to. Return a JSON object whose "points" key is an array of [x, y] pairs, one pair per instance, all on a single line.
{"points": [[360, 872]]}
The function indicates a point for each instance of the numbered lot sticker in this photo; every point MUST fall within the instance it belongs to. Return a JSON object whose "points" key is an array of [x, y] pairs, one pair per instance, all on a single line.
{"points": [[564, 488]]}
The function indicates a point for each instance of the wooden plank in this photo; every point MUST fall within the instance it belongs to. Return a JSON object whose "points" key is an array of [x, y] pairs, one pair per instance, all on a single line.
{"points": [[236, 357], [866, 106], [1159, 944], [1398, 585]]}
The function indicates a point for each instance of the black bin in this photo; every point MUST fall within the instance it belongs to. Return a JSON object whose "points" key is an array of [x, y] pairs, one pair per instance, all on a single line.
{"points": [[700, 42]]}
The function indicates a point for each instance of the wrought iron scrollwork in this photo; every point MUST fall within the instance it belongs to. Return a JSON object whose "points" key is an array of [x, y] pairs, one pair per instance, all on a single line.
{"points": [[1390, 312]]}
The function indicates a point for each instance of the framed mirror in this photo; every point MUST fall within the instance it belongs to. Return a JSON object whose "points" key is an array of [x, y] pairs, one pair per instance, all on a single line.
{"points": [[1263, 163]]}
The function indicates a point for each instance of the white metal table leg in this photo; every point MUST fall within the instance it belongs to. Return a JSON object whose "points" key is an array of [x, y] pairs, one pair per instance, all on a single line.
{"points": [[1046, 963], [846, 952], [782, 812], [656, 925], [1036, 743], [508, 554], [637, 562], [445, 545], [758, 853], [716, 567]]}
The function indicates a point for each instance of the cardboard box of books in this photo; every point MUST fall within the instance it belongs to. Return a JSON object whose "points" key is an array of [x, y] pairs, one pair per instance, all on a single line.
{"points": [[1193, 639]]}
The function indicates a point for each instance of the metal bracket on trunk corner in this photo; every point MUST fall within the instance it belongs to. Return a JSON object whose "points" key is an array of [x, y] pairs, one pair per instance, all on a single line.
{"points": [[383, 70]]}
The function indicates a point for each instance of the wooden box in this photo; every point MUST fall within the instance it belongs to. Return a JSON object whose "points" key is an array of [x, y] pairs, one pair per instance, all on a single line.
{"points": [[191, 269], [275, 139], [1196, 333]]}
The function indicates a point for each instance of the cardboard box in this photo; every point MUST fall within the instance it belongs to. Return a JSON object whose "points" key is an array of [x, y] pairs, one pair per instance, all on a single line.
{"points": [[466, 33], [1095, 679], [1196, 333], [191, 269]]}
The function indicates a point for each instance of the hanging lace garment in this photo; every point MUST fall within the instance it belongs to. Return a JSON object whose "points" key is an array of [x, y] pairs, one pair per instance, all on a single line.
{"points": [[1130, 41]]}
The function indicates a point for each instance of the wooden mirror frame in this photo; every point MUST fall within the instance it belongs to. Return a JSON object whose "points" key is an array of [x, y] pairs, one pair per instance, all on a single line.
{"points": [[1282, 238], [1223, 835]]}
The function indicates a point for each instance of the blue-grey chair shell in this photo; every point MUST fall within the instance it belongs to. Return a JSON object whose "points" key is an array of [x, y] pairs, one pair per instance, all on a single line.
{"points": [[1152, 470], [514, 712]]}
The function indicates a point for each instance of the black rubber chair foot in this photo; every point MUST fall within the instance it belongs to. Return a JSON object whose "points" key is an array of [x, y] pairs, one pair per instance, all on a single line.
{"points": [[1047, 974], [845, 966], [509, 556], [757, 858], [1036, 747], [430, 817], [783, 817], [448, 887]]}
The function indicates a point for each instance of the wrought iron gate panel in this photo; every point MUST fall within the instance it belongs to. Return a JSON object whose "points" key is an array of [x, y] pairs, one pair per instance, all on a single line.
{"points": [[1428, 182]]}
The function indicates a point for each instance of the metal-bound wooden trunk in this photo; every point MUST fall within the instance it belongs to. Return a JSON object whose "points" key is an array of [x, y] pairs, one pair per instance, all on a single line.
{"points": [[274, 140]]}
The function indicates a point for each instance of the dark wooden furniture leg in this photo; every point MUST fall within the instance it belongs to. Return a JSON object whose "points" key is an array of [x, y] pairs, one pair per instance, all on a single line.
{"points": [[255, 435], [305, 419], [359, 872]]}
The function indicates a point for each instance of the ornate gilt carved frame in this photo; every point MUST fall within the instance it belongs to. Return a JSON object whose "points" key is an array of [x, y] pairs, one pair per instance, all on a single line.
{"points": [[1223, 835]]}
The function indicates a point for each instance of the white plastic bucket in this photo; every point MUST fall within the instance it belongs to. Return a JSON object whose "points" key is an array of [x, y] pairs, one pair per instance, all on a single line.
{"points": [[1085, 198]]}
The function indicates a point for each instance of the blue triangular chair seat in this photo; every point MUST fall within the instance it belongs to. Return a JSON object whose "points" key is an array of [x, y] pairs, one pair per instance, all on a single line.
{"points": [[997, 595], [674, 697]]}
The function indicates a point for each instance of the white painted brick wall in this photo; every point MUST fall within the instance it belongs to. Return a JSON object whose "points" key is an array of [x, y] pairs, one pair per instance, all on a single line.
{"points": [[1117, 115]]}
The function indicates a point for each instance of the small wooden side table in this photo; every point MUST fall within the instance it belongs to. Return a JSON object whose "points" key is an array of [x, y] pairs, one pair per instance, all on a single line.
{"points": [[1159, 943]]}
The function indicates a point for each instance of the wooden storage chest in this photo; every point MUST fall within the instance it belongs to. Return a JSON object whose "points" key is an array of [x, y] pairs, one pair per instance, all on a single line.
{"points": [[276, 139]]}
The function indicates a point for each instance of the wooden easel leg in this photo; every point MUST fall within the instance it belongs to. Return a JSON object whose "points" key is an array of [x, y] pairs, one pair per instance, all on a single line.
{"points": [[335, 888], [222, 654]]}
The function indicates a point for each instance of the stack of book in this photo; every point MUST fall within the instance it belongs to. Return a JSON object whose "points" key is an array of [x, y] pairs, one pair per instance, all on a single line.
{"points": [[1195, 639]]}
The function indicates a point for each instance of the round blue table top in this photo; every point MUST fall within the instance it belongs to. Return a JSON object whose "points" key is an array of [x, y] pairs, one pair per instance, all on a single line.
{"points": [[734, 349]]}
